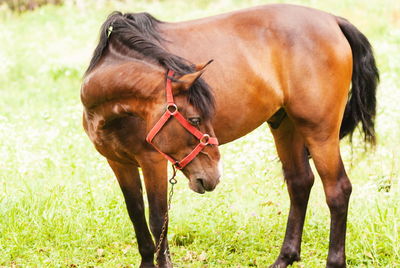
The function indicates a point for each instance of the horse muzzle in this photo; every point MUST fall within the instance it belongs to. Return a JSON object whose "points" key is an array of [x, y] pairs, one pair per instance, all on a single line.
{"points": [[201, 184]]}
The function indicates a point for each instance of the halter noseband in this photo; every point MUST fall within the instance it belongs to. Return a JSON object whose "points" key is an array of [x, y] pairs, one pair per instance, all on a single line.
{"points": [[172, 110]]}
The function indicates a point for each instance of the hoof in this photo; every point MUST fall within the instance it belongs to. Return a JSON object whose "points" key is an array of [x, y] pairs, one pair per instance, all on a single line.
{"points": [[279, 264], [340, 264], [147, 265], [165, 263], [285, 260]]}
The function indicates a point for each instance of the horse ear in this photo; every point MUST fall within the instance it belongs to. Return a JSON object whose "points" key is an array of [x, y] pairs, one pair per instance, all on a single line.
{"points": [[199, 67], [185, 82]]}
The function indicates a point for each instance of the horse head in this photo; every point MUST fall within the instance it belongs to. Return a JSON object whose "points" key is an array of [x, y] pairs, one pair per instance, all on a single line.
{"points": [[182, 130]]}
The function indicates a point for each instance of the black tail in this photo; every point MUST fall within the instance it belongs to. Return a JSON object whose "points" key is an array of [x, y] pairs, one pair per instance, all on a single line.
{"points": [[361, 106]]}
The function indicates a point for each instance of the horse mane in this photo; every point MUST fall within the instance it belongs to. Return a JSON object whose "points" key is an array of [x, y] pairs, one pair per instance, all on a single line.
{"points": [[139, 31]]}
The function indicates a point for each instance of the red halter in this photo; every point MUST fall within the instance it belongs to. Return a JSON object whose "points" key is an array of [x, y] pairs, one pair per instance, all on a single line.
{"points": [[172, 110]]}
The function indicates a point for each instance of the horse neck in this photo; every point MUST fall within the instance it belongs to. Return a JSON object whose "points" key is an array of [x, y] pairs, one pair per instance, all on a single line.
{"points": [[121, 87], [119, 52], [99, 116], [122, 84]]}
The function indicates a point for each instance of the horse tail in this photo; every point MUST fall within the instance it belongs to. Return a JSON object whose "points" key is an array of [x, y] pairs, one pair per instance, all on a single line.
{"points": [[361, 105]]}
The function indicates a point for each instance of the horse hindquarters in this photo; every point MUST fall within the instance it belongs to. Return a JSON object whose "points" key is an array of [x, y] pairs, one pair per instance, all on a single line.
{"points": [[317, 106]]}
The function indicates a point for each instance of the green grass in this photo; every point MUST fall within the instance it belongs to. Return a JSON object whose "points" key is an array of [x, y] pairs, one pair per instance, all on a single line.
{"points": [[60, 204]]}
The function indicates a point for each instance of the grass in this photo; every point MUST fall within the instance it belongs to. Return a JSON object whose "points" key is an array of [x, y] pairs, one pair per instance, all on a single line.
{"points": [[60, 204]]}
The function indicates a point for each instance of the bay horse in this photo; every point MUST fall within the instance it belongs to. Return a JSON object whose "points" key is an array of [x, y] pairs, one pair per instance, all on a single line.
{"points": [[287, 65]]}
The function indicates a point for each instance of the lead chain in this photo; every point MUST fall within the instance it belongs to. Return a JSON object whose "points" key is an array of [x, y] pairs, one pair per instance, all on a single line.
{"points": [[172, 181]]}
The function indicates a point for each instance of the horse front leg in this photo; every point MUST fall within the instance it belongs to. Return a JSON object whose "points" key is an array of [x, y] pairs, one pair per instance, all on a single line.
{"points": [[155, 172], [129, 181]]}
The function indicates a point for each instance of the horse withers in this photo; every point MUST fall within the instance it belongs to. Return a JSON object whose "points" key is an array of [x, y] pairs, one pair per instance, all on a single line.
{"points": [[148, 99]]}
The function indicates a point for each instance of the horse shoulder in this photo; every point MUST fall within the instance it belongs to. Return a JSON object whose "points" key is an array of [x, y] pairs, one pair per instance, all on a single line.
{"points": [[112, 118]]}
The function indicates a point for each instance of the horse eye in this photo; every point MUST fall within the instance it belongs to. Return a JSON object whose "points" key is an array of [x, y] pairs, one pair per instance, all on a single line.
{"points": [[195, 121]]}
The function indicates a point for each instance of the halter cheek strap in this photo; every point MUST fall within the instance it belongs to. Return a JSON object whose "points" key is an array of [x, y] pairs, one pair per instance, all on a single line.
{"points": [[172, 110]]}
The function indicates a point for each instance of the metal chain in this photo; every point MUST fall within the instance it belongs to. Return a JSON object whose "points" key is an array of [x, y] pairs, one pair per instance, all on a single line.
{"points": [[172, 181]]}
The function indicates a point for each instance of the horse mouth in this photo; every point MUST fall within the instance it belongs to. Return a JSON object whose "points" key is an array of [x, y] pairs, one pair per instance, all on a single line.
{"points": [[200, 186]]}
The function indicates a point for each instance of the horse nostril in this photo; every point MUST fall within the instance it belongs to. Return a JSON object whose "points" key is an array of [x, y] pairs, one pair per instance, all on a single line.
{"points": [[201, 182]]}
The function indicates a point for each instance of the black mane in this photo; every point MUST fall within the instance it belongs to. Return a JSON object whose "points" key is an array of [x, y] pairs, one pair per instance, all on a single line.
{"points": [[139, 31]]}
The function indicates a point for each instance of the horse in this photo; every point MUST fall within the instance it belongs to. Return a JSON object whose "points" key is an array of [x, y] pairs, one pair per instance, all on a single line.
{"points": [[151, 95]]}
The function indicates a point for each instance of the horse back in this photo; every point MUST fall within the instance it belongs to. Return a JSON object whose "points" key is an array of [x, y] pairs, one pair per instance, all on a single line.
{"points": [[265, 57]]}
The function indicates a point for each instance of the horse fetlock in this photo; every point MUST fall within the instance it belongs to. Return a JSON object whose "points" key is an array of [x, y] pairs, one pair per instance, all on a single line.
{"points": [[290, 257], [337, 263], [287, 257], [147, 254], [147, 265], [164, 262]]}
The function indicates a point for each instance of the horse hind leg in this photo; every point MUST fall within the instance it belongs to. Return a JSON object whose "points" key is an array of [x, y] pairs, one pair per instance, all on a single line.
{"points": [[320, 130], [299, 178], [326, 156]]}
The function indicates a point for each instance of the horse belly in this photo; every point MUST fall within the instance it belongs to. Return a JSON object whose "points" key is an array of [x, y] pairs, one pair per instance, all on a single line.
{"points": [[243, 111]]}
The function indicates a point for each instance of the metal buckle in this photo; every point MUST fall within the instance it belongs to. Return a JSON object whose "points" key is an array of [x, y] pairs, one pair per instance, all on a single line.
{"points": [[177, 165], [174, 108], [205, 139]]}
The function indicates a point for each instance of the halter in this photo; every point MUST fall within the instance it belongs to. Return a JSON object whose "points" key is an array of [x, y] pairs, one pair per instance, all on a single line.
{"points": [[172, 110]]}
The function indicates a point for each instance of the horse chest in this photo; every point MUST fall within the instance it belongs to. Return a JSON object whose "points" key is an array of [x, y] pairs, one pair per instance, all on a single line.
{"points": [[121, 139]]}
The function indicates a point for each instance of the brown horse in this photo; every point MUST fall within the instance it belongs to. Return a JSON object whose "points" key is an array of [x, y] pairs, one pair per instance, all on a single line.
{"points": [[288, 65]]}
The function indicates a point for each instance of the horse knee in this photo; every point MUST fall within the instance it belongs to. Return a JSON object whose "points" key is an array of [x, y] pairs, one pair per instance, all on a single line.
{"points": [[156, 223], [299, 181]]}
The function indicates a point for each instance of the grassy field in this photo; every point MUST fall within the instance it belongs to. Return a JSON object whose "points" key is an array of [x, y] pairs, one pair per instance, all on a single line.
{"points": [[60, 204]]}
